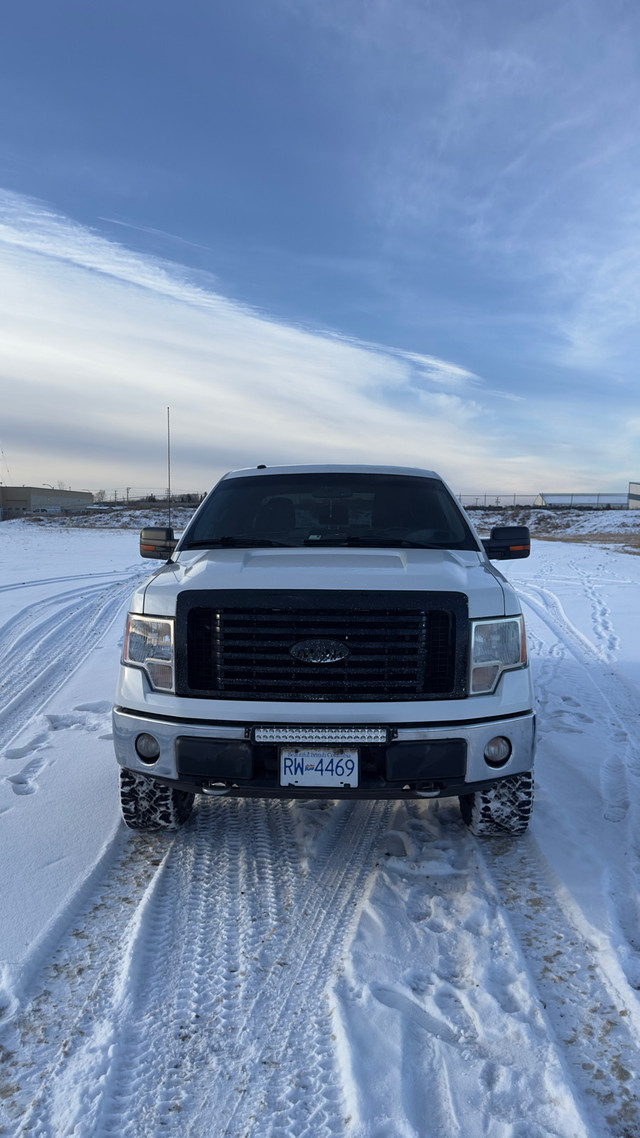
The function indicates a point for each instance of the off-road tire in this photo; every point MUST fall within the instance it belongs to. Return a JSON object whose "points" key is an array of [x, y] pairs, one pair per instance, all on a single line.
{"points": [[502, 809], [148, 805]]}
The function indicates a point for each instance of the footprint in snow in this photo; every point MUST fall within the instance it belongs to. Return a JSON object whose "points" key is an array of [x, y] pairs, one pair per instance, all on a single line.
{"points": [[64, 722], [87, 717], [395, 843], [24, 782], [614, 789], [34, 744], [409, 1009]]}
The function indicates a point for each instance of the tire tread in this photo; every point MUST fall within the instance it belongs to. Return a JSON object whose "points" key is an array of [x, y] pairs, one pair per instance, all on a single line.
{"points": [[149, 805], [503, 809]]}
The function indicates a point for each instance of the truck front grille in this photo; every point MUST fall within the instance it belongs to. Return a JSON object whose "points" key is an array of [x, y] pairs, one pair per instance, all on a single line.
{"points": [[390, 648]]}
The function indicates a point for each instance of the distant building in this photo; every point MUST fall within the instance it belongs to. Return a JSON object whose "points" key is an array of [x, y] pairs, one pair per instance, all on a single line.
{"points": [[16, 501], [596, 501], [634, 496]]}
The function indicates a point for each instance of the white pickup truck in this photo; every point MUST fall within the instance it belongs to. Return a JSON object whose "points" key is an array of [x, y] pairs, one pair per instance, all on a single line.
{"points": [[327, 631]]}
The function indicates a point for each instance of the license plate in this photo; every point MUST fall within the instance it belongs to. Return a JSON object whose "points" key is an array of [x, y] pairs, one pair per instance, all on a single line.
{"points": [[318, 766]]}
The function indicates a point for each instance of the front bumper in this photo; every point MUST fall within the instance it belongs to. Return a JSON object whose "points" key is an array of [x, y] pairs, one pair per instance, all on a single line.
{"points": [[416, 760]]}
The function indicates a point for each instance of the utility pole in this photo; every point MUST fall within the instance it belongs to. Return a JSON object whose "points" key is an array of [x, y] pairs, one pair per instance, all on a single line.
{"points": [[169, 463]]}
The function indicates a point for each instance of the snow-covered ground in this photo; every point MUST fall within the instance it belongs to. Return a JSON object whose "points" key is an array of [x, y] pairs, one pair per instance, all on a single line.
{"points": [[612, 525], [286, 969]]}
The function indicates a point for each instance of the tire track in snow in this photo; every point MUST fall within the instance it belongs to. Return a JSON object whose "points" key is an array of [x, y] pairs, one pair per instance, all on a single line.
{"points": [[111, 575], [43, 1092], [199, 1014], [253, 1034], [302, 1094], [197, 941], [595, 1021], [44, 644]]}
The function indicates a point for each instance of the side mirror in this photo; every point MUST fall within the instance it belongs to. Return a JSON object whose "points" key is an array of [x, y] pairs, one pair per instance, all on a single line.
{"points": [[507, 543], [157, 541]]}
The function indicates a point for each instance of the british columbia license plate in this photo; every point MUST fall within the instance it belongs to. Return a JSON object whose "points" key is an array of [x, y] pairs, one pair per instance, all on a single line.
{"points": [[318, 766]]}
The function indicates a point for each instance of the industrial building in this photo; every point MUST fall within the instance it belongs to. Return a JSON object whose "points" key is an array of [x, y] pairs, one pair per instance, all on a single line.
{"points": [[16, 501], [595, 500]]}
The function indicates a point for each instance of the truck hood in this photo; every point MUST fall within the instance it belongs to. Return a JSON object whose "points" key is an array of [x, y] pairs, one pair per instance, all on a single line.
{"points": [[431, 570]]}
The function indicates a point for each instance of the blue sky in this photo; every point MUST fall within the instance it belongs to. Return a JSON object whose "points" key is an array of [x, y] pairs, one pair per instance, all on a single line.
{"points": [[324, 230]]}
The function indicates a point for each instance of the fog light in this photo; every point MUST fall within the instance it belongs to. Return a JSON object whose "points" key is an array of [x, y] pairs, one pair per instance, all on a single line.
{"points": [[497, 751], [147, 748]]}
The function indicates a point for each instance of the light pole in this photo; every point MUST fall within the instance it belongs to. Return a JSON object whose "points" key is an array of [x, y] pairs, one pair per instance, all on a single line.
{"points": [[169, 464]]}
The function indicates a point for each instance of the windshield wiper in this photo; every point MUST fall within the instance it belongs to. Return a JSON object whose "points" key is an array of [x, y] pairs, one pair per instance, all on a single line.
{"points": [[231, 542], [371, 542]]}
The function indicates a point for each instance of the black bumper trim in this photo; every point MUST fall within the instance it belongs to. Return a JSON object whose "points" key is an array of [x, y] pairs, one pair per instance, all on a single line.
{"points": [[382, 764]]}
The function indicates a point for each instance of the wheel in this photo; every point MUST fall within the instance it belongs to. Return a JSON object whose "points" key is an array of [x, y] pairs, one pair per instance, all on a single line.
{"points": [[148, 805], [504, 808]]}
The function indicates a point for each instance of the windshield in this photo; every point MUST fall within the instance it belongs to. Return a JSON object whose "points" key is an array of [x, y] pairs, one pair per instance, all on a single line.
{"points": [[338, 509]]}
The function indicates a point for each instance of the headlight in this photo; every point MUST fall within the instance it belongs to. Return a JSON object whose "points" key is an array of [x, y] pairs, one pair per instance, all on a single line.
{"points": [[148, 644], [497, 646]]}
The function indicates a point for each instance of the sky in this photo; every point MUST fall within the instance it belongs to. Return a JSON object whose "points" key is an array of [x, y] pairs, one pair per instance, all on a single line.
{"points": [[383, 231]]}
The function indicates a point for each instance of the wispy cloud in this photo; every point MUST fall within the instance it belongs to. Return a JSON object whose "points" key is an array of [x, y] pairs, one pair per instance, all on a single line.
{"points": [[98, 340], [31, 226], [161, 233], [506, 143], [96, 335], [599, 328]]}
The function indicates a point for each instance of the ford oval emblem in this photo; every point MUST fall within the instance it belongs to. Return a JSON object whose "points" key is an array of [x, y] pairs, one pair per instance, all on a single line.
{"points": [[319, 651]]}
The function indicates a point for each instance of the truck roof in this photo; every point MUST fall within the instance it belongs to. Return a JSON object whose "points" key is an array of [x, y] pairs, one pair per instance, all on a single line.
{"points": [[344, 468]]}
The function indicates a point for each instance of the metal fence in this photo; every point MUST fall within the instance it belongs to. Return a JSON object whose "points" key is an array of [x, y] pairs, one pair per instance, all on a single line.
{"points": [[469, 501], [594, 501]]}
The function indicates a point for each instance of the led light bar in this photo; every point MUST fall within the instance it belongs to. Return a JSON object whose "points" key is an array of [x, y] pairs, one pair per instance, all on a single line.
{"points": [[320, 734]]}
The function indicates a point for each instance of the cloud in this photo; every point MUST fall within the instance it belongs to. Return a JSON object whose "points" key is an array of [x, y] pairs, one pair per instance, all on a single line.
{"points": [[30, 226], [599, 284], [97, 341], [505, 161], [439, 372], [162, 233]]}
